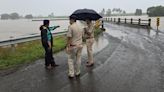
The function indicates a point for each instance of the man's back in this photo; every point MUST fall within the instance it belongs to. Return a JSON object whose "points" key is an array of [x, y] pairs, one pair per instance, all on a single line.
{"points": [[75, 32]]}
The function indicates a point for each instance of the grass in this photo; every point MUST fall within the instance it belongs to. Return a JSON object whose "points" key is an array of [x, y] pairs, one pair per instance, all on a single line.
{"points": [[28, 52]]}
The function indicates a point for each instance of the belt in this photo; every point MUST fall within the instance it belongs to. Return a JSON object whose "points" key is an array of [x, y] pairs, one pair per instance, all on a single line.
{"points": [[89, 37], [72, 45], [75, 45]]}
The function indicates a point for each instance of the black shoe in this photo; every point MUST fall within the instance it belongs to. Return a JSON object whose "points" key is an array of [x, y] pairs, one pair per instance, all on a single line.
{"points": [[48, 67], [77, 75], [55, 65], [90, 65], [70, 77]]}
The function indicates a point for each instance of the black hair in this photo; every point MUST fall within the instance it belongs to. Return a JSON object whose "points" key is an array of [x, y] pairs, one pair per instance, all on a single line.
{"points": [[73, 17], [46, 22]]}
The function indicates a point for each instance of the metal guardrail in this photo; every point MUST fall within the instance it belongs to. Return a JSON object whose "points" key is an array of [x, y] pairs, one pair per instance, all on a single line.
{"points": [[131, 21], [26, 39]]}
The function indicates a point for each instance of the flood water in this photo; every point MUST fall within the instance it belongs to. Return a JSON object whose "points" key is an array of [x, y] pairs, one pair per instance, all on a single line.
{"points": [[23, 27]]}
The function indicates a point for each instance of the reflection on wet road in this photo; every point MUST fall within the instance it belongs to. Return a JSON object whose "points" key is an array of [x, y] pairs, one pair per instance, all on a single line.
{"points": [[99, 44]]}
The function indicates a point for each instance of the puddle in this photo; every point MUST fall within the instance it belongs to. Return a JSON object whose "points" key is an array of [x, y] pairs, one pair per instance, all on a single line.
{"points": [[114, 32], [99, 44]]}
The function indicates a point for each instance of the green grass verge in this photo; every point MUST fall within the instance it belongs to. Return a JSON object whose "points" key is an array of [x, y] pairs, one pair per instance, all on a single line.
{"points": [[27, 52]]}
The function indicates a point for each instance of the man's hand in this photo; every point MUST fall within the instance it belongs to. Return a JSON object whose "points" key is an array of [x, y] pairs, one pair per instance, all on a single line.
{"points": [[69, 39], [49, 45], [54, 27]]}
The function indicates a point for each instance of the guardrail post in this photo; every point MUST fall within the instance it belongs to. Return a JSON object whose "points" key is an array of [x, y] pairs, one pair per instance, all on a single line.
{"points": [[111, 20], [12, 45], [125, 20], [139, 21], [131, 21], [149, 24], [114, 19], [102, 26], [119, 20]]}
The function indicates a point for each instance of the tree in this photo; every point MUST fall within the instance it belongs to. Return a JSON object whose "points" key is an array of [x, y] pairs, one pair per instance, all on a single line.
{"points": [[124, 12], [5, 16], [138, 12], [155, 11], [108, 12], [102, 13], [118, 11], [29, 16], [14, 16], [51, 15], [114, 9]]}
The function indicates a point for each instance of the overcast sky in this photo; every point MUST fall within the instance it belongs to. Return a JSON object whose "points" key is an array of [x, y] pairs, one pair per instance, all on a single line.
{"points": [[66, 7]]}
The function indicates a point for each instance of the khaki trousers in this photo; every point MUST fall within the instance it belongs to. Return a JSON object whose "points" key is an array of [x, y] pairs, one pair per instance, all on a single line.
{"points": [[89, 44], [74, 60]]}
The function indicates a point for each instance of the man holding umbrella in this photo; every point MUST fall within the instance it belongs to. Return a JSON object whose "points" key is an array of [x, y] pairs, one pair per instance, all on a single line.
{"points": [[89, 32], [88, 15]]}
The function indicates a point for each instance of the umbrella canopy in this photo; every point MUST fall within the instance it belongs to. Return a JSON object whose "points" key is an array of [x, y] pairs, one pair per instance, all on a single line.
{"points": [[83, 14]]}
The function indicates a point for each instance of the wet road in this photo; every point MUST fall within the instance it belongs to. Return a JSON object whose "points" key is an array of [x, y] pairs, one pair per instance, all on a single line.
{"points": [[128, 60]]}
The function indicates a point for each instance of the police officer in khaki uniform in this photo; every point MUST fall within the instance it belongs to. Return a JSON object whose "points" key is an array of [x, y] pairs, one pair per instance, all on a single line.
{"points": [[74, 48], [89, 35]]}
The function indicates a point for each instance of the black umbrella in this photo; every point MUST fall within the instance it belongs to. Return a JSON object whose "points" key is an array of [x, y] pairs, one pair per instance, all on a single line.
{"points": [[83, 14]]}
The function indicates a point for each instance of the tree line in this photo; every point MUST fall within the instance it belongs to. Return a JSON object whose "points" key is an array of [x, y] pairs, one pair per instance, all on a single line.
{"points": [[118, 11], [28, 16], [15, 16], [155, 11], [151, 12], [109, 12]]}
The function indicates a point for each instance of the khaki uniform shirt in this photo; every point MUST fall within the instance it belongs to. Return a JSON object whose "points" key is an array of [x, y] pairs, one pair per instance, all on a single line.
{"points": [[75, 32], [89, 29]]}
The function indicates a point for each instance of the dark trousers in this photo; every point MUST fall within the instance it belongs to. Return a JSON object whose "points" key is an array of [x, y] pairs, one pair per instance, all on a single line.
{"points": [[49, 57]]}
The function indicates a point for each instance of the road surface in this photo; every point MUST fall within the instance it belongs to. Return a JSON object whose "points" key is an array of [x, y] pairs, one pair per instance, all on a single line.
{"points": [[126, 60]]}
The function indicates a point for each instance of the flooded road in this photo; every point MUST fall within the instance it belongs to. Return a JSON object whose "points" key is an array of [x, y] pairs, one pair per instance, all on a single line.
{"points": [[126, 60], [146, 17]]}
